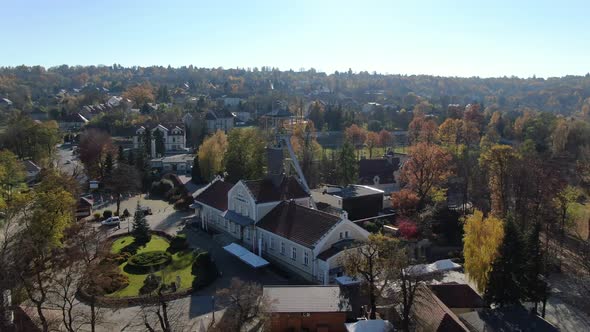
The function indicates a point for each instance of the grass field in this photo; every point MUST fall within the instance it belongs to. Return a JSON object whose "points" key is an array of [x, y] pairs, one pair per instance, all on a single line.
{"points": [[582, 215], [180, 266], [377, 152]]}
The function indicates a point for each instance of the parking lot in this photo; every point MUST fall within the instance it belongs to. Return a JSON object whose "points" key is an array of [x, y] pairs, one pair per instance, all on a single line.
{"points": [[163, 217]]}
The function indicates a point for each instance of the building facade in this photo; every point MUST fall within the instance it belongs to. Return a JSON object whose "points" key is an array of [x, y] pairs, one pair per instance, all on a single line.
{"points": [[173, 136], [274, 220]]}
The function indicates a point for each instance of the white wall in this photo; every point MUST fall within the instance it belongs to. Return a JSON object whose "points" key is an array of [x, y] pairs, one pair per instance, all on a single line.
{"points": [[297, 266]]}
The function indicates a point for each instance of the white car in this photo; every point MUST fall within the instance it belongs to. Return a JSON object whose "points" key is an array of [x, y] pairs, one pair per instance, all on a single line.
{"points": [[112, 221]]}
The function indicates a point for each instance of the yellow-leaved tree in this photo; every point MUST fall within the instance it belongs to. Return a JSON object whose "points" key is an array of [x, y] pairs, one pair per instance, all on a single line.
{"points": [[211, 154], [481, 241]]}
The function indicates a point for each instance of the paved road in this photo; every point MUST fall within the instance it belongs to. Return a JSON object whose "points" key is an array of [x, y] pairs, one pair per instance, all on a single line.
{"points": [[69, 163]]}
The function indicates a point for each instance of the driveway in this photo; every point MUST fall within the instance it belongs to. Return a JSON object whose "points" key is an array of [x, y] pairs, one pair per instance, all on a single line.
{"points": [[163, 218]]}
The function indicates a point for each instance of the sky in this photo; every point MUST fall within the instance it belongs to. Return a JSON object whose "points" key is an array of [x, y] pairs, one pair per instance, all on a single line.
{"points": [[446, 38]]}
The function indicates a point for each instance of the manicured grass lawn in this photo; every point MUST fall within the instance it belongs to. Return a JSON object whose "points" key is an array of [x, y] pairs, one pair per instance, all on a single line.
{"points": [[181, 265]]}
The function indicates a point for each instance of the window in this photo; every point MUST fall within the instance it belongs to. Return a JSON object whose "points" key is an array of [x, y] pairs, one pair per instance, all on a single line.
{"points": [[247, 231], [272, 244], [346, 234], [306, 258], [293, 253], [282, 248], [340, 235]]}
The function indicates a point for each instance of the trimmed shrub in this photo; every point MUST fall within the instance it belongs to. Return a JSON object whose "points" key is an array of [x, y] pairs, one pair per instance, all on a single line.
{"points": [[107, 214], [109, 281], [150, 284], [178, 243], [126, 213], [117, 259], [150, 259], [96, 216], [204, 270]]}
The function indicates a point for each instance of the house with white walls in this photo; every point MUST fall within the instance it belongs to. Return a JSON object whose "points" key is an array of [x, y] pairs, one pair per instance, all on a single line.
{"points": [[273, 218], [173, 138]]}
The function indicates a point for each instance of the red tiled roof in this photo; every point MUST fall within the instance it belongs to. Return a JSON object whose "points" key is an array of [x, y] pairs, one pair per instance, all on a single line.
{"points": [[215, 195], [457, 296], [298, 223], [265, 191]]}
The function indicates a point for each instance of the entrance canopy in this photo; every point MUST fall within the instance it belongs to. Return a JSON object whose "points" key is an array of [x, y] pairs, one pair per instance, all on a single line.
{"points": [[246, 255]]}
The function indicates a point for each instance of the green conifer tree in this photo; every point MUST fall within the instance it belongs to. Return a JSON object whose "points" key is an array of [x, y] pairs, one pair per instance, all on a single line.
{"points": [[505, 279], [141, 229], [347, 167]]}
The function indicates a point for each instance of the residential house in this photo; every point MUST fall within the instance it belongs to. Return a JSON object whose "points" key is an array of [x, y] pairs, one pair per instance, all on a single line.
{"points": [[180, 164], [358, 201], [72, 122], [32, 171], [378, 171], [308, 242], [221, 119], [457, 307], [432, 315], [307, 308], [231, 101], [173, 135], [274, 219]]}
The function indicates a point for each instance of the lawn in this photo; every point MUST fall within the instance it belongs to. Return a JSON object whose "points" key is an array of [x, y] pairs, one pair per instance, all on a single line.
{"points": [[181, 266], [377, 152]]}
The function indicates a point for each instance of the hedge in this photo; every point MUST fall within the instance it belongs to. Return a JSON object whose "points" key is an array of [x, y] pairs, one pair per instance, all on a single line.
{"points": [[148, 261]]}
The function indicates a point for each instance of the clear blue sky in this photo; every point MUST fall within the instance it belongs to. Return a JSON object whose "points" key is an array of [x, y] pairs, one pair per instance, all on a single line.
{"points": [[450, 38]]}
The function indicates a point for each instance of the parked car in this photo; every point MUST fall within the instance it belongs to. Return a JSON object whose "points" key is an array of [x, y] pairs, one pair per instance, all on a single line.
{"points": [[146, 210], [111, 221]]}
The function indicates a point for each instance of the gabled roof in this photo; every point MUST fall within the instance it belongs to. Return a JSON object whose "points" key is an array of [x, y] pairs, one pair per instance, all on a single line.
{"points": [[215, 195], [222, 113], [298, 223], [432, 315], [508, 318], [455, 295], [31, 166], [265, 190], [368, 168], [306, 299]]}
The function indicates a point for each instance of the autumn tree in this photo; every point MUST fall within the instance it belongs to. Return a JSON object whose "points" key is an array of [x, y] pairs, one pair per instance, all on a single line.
{"points": [[94, 147], [372, 142], [245, 156], [356, 135], [211, 154], [405, 201], [245, 305], [373, 263], [426, 170], [123, 179], [483, 237], [52, 211], [140, 94], [422, 129], [12, 175], [385, 139], [499, 163]]}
